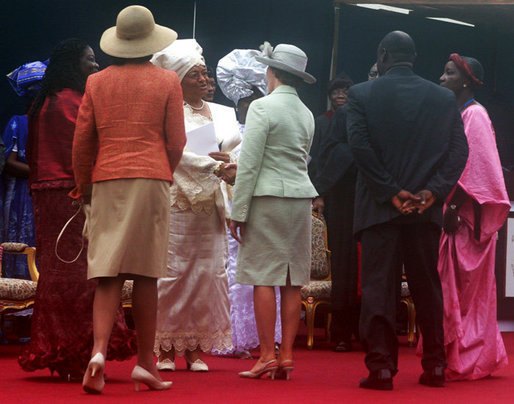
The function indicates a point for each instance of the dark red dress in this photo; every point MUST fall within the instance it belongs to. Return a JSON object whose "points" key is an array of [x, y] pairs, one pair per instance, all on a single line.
{"points": [[62, 323]]}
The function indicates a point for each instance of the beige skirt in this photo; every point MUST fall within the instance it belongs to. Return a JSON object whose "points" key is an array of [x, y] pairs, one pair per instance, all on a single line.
{"points": [[128, 228], [277, 240]]}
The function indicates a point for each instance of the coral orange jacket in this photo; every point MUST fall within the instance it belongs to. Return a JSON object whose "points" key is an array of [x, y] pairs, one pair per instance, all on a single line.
{"points": [[130, 125]]}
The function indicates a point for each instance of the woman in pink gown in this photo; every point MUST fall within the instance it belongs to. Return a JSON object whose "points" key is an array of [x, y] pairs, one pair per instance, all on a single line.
{"points": [[474, 212]]}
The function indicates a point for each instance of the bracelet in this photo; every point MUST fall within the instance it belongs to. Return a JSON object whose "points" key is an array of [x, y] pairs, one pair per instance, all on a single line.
{"points": [[217, 171]]}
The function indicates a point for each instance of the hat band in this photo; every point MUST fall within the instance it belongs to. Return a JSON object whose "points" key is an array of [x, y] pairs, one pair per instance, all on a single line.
{"points": [[130, 34], [290, 59]]}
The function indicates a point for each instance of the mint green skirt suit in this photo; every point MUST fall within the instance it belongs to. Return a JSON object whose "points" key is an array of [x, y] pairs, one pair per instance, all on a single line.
{"points": [[273, 191]]}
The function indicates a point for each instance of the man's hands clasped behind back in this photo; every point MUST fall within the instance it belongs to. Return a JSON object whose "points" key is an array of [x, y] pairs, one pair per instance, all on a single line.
{"points": [[407, 203]]}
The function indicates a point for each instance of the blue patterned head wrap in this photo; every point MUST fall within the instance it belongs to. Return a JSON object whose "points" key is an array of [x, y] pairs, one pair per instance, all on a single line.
{"points": [[26, 79]]}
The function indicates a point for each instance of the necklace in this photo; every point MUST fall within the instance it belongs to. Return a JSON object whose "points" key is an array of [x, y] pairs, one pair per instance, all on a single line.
{"points": [[466, 104], [195, 108]]}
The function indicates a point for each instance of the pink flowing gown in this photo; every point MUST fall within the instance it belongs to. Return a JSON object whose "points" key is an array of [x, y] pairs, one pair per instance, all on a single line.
{"points": [[474, 346]]}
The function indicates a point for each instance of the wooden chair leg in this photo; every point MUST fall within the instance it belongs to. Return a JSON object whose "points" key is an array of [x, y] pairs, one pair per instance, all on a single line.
{"points": [[310, 310], [327, 329], [411, 316], [412, 325]]}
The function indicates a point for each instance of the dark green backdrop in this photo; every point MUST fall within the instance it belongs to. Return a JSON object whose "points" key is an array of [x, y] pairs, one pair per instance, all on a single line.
{"points": [[32, 28]]}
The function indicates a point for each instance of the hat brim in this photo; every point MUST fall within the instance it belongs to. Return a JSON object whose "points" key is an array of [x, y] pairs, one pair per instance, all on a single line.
{"points": [[308, 78], [160, 38]]}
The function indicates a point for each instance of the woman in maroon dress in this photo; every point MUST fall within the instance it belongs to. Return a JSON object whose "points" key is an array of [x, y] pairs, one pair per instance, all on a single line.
{"points": [[62, 324]]}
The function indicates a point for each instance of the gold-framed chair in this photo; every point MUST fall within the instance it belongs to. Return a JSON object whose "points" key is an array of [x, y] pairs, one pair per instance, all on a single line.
{"points": [[18, 294], [317, 291], [406, 299], [126, 295]]}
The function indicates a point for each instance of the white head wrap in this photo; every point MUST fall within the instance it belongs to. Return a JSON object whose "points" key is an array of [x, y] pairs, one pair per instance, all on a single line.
{"points": [[238, 71], [180, 57]]}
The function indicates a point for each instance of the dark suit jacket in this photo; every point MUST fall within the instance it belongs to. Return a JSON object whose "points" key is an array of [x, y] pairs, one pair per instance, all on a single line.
{"points": [[405, 133], [335, 156], [321, 131]]}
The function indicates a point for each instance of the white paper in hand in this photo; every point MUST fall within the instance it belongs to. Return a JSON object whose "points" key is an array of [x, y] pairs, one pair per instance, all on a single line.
{"points": [[202, 140]]}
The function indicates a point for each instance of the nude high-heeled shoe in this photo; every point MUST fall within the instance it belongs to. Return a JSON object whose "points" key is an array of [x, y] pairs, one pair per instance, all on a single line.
{"points": [[141, 375], [269, 367], [285, 369], [93, 381]]}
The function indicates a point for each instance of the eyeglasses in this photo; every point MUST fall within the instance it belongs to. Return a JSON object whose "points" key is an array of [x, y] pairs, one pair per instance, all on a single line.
{"points": [[373, 73], [197, 75], [339, 91]]}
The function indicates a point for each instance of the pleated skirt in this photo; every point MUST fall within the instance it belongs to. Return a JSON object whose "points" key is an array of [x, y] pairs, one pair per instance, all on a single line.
{"points": [[277, 240], [129, 228]]}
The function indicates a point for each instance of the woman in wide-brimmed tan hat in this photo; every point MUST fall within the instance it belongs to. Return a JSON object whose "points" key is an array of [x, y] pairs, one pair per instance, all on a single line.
{"points": [[128, 142]]}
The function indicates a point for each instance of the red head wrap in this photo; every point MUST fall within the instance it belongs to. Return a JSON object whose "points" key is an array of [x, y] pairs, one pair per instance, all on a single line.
{"points": [[464, 68]]}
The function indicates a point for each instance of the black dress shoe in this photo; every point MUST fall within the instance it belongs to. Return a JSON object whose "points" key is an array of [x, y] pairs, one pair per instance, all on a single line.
{"points": [[343, 346], [378, 380], [433, 378]]}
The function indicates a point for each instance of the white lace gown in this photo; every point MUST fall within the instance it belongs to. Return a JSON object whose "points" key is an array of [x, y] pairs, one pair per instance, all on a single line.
{"points": [[242, 315], [193, 304]]}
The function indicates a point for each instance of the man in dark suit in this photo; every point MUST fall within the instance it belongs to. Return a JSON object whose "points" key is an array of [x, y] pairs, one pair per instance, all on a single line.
{"points": [[408, 142], [335, 183]]}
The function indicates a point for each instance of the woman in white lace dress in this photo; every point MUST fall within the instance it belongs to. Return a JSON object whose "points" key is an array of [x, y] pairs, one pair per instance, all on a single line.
{"points": [[193, 307]]}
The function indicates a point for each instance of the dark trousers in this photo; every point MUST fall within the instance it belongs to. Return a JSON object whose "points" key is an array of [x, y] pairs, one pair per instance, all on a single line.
{"points": [[345, 323], [339, 212], [385, 247]]}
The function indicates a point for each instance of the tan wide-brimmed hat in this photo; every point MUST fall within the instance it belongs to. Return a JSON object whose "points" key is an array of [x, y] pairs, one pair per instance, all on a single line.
{"points": [[286, 57], [136, 34]]}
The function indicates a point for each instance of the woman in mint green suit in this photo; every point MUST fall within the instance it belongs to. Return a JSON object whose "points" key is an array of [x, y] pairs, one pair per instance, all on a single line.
{"points": [[271, 209]]}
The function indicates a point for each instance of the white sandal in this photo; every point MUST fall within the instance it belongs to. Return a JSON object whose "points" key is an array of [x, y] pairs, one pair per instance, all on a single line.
{"points": [[166, 364]]}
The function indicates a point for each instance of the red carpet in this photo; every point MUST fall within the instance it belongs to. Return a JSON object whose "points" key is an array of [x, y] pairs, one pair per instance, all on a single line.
{"points": [[320, 376]]}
